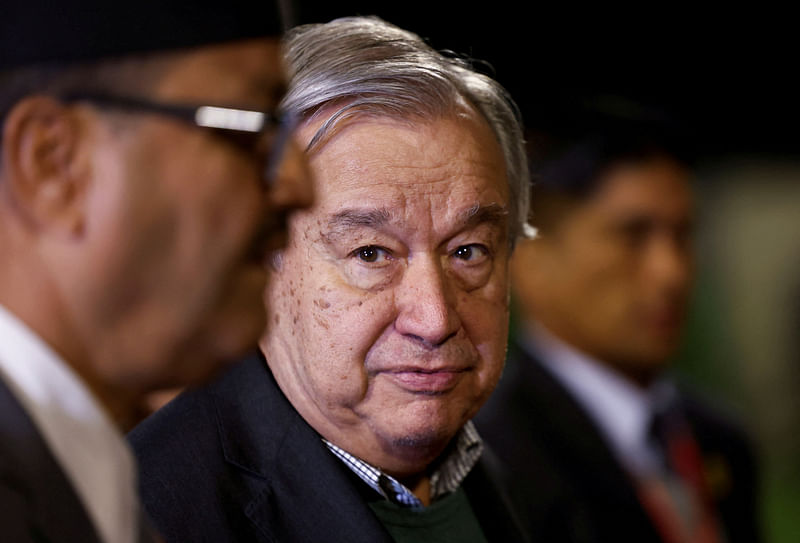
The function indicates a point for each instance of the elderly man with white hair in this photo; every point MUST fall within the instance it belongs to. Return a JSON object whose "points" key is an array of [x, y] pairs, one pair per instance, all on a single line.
{"points": [[388, 317]]}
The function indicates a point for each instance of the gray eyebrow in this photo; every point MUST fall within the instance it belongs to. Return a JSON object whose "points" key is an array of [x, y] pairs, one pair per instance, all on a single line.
{"points": [[352, 218], [491, 213], [349, 218], [346, 221]]}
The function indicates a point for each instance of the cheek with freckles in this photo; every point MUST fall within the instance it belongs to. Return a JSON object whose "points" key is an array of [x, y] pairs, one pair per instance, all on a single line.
{"points": [[346, 315], [334, 327], [485, 319]]}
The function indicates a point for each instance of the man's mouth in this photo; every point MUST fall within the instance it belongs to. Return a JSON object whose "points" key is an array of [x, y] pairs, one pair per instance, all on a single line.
{"points": [[426, 381]]}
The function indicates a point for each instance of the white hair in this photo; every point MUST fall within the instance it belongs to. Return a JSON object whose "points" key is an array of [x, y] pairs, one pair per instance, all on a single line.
{"points": [[367, 66]]}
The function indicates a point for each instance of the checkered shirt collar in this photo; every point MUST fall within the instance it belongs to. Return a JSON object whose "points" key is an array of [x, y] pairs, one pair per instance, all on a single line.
{"points": [[445, 479]]}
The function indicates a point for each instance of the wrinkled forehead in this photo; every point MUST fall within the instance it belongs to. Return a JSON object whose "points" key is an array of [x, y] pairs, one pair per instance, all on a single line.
{"points": [[343, 222], [426, 136], [327, 120], [438, 174]]}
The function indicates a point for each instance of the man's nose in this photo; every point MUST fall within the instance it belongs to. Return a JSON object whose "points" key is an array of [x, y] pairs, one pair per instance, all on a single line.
{"points": [[293, 184], [426, 302], [670, 263]]}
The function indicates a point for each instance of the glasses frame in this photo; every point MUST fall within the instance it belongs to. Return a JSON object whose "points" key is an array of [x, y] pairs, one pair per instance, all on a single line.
{"points": [[227, 122]]}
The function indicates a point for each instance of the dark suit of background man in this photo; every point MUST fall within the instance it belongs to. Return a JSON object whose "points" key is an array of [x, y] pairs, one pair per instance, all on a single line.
{"points": [[388, 318], [133, 230], [585, 408]]}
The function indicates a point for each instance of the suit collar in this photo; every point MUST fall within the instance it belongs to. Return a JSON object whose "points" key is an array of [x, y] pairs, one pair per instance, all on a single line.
{"points": [[253, 416], [262, 434], [619, 408], [486, 487], [26, 464], [568, 427], [574, 440], [78, 431]]}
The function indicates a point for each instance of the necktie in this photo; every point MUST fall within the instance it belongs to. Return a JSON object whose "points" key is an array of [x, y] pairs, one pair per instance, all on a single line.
{"points": [[677, 499]]}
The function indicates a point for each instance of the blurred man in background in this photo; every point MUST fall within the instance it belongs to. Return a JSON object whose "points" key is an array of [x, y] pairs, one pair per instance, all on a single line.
{"points": [[585, 408], [134, 225]]}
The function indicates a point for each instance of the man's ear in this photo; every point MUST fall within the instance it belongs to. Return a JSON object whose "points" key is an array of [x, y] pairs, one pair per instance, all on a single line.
{"points": [[45, 167]]}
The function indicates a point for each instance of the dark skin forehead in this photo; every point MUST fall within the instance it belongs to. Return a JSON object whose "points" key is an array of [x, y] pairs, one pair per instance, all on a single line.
{"points": [[248, 74]]}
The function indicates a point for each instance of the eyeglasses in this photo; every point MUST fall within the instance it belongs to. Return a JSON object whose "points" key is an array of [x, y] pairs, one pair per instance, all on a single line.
{"points": [[252, 130]]}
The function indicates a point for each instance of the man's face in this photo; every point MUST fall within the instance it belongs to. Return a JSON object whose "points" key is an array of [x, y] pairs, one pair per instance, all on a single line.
{"points": [[183, 222], [388, 315], [613, 276]]}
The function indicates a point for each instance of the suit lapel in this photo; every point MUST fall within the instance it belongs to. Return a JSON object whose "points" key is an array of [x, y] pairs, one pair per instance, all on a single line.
{"points": [[569, 427], [300, 492], [54, 511], [493, 508], [563, 426]]}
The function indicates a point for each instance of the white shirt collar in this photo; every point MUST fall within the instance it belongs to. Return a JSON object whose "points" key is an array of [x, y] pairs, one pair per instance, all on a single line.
{"points": [[621, 409], [88, 447]]}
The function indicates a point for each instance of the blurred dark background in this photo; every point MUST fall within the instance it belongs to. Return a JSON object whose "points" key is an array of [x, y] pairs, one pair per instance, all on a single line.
{"points": [[729, 77]]}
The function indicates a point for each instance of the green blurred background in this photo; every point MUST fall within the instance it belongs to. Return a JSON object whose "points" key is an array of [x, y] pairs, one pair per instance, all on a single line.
{"points": [[742, 344]]}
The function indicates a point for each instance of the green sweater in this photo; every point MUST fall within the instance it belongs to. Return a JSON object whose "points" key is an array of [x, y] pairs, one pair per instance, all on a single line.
{"points": [[448, 520]]}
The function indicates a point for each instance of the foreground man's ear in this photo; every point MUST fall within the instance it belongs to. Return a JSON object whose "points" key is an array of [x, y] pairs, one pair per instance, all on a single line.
{"points": [[44, 175]]}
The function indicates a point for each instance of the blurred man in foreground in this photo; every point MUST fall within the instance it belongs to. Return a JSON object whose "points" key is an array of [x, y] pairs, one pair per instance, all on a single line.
{"points": [[585, 411], [134, 224], [387, 318]]}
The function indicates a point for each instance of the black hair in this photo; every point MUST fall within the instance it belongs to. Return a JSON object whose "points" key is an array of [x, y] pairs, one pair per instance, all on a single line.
{"points": [[572, 157], [590, 141], [131, 76]]}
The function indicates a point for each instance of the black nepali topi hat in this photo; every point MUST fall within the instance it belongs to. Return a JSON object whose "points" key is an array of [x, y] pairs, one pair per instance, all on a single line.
{"points": [[65, 31]]}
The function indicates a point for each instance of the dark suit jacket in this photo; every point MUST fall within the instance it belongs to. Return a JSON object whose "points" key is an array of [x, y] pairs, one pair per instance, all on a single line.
{"points": [[564, 465], [37, 502], [235, 462]]}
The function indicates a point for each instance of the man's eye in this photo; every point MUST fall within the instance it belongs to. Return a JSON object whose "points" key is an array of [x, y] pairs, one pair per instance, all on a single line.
{"points": [[370, 253], [471, 253], [636, 231]]}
